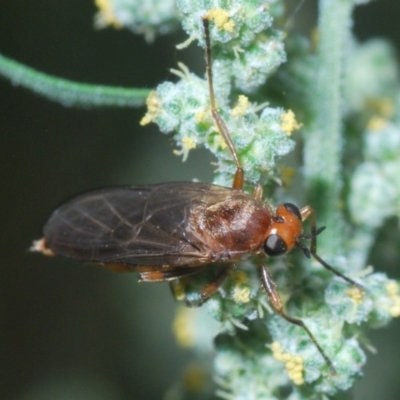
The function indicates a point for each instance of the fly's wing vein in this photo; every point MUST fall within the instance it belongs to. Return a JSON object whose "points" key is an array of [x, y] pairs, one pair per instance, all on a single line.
{"points": [[117, 213]]}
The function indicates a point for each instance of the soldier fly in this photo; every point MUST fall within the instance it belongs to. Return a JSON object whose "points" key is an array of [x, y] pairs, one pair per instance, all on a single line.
{"points": [[173, 230]]}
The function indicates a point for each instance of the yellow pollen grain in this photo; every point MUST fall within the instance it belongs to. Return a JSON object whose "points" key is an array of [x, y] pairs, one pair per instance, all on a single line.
{"points": [[107, 13], [220, 142], [200, 116], [290, 365], [276, 347], [221, 19], [289, 123], [241, 295], [395, 309], [242, 106], [188, 143], [376, 123], [392, 289], [298, 368], [298, 360], [297, 378], [355, 294], [182, 328], [153, 107], [294, 364], [279, 357]]}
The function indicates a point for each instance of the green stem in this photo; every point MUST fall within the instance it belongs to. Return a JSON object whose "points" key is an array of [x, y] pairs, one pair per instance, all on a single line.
{"points": [[68, 92], [323, 143]]}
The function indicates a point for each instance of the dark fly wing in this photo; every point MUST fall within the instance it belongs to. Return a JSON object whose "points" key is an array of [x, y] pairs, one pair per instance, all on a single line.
{"points": [[143, 225]]}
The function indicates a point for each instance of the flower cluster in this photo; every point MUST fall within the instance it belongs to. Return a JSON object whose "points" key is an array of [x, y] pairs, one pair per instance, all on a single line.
{"points": [[246, 50], [148, 17]]}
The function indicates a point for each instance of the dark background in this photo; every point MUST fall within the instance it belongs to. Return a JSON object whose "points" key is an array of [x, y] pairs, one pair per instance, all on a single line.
{"points": [[73, 331]]}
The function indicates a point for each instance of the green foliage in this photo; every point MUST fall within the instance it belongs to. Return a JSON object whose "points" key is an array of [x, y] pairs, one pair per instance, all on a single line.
{"points": [[70, 93]]}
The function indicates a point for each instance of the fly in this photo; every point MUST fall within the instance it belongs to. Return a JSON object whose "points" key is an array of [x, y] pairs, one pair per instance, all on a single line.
{"points": [[174, 230]]}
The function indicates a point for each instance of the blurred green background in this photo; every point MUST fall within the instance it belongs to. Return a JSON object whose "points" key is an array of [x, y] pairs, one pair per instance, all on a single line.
{"points": [[74, 331]]}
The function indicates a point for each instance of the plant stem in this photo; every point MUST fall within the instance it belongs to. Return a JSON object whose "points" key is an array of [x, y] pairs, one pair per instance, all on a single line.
{"points": [[68, 92], [323, 143]]}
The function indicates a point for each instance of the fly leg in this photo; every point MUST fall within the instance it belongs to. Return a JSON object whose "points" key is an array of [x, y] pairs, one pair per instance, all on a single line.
{"points": [[273, 295], [222, 128], [206, 292], [308, 212], [167, 274]]}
